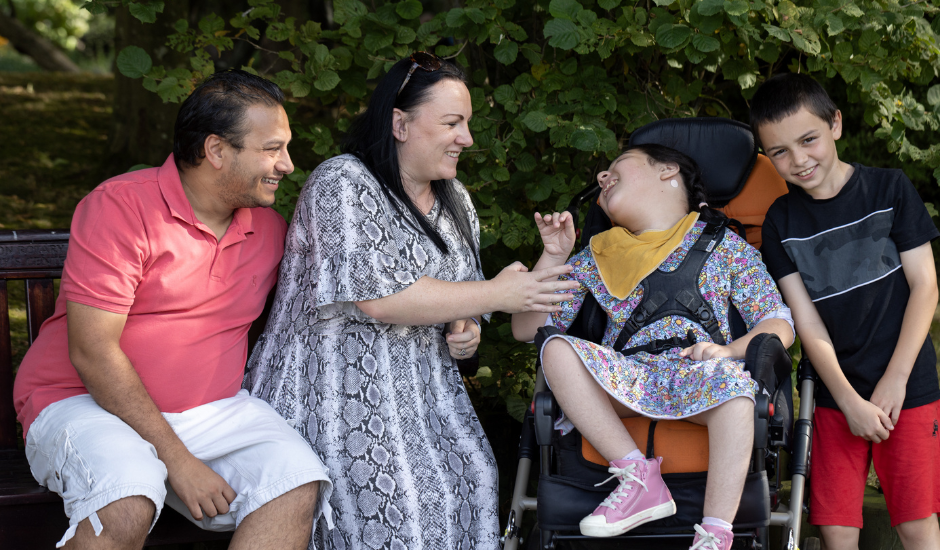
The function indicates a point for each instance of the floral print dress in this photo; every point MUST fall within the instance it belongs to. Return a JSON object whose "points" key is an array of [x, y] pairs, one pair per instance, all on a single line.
{"points": [[667, 386]]}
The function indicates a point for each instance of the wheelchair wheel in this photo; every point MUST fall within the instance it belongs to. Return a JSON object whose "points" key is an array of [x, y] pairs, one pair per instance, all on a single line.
{"points": [[811, 543]]}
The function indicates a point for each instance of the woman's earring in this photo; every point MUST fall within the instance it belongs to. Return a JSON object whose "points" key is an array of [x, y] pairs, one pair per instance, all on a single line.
{"points": [[674, 183]]}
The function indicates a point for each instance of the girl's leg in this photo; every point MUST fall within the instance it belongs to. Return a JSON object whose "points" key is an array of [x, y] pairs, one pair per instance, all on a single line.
{"points": [[585, 402], [730, 442]]}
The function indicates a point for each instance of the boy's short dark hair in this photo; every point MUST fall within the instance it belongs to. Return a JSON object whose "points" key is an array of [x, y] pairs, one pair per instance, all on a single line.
{"points": [[784, 94], [217, 106]]}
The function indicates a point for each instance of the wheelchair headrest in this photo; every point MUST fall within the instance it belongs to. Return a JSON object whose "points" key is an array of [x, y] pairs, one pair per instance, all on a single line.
{"points": [[723, 148]]}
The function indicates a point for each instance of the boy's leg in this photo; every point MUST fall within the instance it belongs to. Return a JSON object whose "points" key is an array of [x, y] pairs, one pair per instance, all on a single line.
{"points": [[111, 482], [280, 483], [730, 442], [908, 467], [585, 402], [838, 474]]}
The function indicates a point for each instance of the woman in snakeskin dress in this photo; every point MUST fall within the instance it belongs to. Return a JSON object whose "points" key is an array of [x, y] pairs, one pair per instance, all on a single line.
{"points": [[381, 260]]}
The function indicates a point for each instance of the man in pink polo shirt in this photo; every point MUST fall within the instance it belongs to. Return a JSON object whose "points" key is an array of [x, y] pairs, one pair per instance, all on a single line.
{"points": [[130, 397]]}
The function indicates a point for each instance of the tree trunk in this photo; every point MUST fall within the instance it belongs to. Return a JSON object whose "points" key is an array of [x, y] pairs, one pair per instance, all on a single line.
{"points": [[142, 130], [43, 52]]}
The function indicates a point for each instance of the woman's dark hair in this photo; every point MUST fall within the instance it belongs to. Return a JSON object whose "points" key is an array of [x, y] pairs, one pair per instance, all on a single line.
{"points": [[784, 94], [691, 176], [217, 106], [370, 139]]}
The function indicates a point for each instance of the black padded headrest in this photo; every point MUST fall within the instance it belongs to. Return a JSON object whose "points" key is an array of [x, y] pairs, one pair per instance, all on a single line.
{"points": [[723, 148]]}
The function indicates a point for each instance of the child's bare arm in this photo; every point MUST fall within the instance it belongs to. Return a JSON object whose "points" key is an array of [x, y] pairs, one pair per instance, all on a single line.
{"points": [[558, 236], [921, 276], [865, 419]]}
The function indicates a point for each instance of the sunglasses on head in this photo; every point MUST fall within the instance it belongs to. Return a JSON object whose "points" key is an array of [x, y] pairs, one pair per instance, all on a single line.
{"points": [[423, 60]]}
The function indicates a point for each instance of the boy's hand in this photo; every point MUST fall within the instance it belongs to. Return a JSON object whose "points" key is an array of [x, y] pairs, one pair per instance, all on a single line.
{"points": [[557, 232], [868, 421], [703, 351], [889, 396]]}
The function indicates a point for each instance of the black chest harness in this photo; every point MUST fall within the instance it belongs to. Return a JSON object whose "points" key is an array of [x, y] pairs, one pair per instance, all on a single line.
{"points": [[677, 293]]}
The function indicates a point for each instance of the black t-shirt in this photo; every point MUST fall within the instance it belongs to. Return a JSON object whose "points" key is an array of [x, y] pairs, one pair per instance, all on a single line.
{"points": [[847, 251]]}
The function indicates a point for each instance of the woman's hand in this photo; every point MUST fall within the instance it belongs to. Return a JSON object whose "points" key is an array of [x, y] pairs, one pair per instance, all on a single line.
{"points": [[463, 338], [521, 291], [557, 232], [703, 351]]}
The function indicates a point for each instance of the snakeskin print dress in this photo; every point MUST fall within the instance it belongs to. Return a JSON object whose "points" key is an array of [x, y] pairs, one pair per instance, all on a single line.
{"points": [[383, 405]]}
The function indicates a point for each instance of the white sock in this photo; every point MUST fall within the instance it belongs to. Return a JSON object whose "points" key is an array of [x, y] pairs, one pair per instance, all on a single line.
{"points": [[635, 454], [716, 522]]}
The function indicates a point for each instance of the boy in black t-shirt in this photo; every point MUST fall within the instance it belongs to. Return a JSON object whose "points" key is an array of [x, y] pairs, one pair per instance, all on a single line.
{"points": [[849, 247]]}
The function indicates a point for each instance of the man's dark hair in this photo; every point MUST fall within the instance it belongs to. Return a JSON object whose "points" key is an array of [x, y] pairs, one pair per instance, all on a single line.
{"points": [[217, 106], [784, 95], [371, 140]]}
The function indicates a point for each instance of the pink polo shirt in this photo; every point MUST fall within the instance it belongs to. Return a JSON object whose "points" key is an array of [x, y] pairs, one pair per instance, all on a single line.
{"points": [[136, 248]]}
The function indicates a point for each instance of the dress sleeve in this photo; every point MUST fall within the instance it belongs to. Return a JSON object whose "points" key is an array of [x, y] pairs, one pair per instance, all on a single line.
{"points": [[583, 269], [344, 223], [753, 291]]}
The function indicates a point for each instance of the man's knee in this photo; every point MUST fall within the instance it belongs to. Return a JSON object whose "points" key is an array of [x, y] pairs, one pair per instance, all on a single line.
{"points": [[124, 523]]}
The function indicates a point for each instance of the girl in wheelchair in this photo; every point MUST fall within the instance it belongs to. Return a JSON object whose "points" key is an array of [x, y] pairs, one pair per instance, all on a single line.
{"points": [[667, 352]]}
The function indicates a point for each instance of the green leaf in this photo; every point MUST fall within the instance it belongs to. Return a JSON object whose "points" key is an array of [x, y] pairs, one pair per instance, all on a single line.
{"points": [[735, 7], [672, 36], [327, 80], [852, 10], [504, 94], [477, 98], [868, 40], [409, 9], [405, 35], [710, 7], [778, 33], [181, 26], [538, 191], [475, 15], [608, 4], [842, 52], [933, 95], [585, 139], [562, 33], [501, 174], [134, 62], [835, 24], [535, 120], [376, 41], [704, 43], [454, 17], [211, 24], [506, 52], [525, 162], [300, 89], [564, 9], [146, 12], [569, 66]]}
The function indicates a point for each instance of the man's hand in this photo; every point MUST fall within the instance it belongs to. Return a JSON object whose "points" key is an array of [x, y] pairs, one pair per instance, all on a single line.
{"points": [[889, 396], [463, 338], [703, 351], [868, 421], [202, 490]]}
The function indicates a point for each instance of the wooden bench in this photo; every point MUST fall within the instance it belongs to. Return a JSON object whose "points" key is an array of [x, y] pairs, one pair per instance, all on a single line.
{"points": [[30, 515]]}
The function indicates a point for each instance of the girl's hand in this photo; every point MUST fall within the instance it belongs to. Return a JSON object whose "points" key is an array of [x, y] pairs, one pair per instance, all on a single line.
{"points": [[463, 338], [703, 351], [557, 232]]}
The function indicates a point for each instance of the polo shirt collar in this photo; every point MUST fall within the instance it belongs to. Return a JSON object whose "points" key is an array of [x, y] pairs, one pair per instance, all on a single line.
{"points": [[172, 189]]}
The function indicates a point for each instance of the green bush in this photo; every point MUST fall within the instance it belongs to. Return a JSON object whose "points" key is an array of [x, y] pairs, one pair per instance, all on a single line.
{"points": [[557, 87]]}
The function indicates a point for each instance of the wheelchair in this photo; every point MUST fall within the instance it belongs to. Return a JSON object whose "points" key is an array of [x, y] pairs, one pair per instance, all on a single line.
{"points": [[744, 184]]}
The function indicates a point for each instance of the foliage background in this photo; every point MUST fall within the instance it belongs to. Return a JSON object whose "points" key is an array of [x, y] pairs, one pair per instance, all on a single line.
{"points": [[558, 85]]}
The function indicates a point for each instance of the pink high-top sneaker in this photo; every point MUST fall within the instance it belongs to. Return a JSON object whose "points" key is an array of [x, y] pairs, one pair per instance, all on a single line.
{"points": [[640, 497], [711, 537]]}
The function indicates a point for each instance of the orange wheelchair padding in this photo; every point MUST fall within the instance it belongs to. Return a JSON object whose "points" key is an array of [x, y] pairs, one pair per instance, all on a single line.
{"points": [[683, 445], [762, 188]]}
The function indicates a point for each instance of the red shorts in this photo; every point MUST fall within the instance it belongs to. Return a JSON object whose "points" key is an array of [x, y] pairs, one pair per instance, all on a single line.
{"points": [[907, 464]]}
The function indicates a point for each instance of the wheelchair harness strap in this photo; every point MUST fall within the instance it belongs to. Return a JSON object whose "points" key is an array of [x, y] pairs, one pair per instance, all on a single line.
{"points": [[669, 294]]}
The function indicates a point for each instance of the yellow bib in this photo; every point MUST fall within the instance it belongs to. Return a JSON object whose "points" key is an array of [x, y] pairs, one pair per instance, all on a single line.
{"points": [[624, 259]]}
